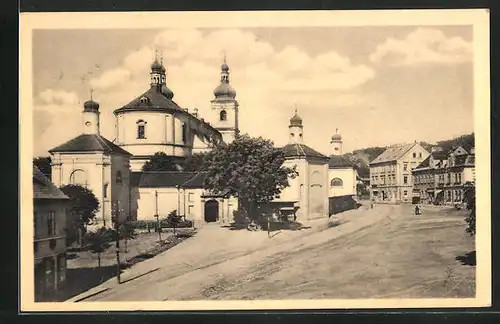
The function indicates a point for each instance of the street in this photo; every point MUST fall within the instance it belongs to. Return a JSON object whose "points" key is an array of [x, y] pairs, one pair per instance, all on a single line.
{"points": [[385, 252]]}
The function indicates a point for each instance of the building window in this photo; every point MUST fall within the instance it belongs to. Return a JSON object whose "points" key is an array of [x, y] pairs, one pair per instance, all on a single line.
{"points": [[105, 190], [191, 210], [459, 178], [51, 223], [414, 155], [53, 244], [184, 133], [336, 182], [223, 115], [405, 166], [191, 197], [405, 193], [77, 177], [405, 179], [118, 177], [141, 129], [336, 149], [420, 155]]}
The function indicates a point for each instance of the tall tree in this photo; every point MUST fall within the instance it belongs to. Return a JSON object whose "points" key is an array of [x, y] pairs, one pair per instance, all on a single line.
{"points": [[195, 162], [83, 206], [161, 162], [43, 163], [250, 169], [99, 242]]}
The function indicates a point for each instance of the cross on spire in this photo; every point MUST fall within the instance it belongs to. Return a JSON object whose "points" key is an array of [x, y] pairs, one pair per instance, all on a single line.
{"points": [[295, 106], [91, 94], [336, 130], [224, 57]]}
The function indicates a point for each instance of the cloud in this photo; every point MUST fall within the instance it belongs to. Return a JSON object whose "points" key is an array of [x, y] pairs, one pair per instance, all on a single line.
{"points": [[423, 45], [267, 80], [111, 78], [57, 97]]}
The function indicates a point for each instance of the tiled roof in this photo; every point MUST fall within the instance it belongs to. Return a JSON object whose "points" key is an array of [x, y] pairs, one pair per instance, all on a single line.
{"points": [[393, 153], [157, 101], [168, 179], [425, 163], [43, 188], [293, 150], [340, 162], [198, 181], [441, 155], [90, 143]]}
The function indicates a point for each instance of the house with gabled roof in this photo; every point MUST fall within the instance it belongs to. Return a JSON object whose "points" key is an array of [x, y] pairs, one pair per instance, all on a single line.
{"points": [[440, 179], [49, 236], [390, 172]]}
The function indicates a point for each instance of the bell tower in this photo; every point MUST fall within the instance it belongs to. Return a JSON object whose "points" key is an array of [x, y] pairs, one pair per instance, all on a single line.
{"points": [[91, 116], [296, 130], [336, 143], [225, 107]]}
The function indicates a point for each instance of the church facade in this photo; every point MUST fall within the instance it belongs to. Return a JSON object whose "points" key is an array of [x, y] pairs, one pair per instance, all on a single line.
{"points": [[150, 123], [309, 190]]}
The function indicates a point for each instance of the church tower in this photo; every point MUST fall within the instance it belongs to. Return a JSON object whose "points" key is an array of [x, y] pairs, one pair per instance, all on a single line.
{"points": [[91, 117], [296, 130], [336, 143], [225, 107]]}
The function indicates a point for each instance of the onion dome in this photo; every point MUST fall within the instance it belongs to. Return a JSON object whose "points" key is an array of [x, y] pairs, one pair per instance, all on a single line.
{"points": [[224, 90], [336, 137], [296, 120], [167, 92], [224, 67], [90, 106], [156, 66]]}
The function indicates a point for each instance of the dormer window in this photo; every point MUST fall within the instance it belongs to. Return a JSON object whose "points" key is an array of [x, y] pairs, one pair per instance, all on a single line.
{"points": [[144, 100], [141, 129], [223, 115]]}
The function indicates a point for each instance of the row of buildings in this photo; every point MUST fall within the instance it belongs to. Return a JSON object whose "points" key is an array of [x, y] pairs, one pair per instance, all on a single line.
{"points": [[409, 173]]}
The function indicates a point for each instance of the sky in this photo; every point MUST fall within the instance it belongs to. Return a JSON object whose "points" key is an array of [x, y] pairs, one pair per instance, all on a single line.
{"points": [[377, 85]]}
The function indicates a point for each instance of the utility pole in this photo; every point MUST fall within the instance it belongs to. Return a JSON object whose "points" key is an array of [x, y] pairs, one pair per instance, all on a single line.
{"points": [[118, 270], [157, 217]]}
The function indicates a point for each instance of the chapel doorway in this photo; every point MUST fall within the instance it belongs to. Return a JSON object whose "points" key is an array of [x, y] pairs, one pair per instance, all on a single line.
{"points": [[211, 211]]}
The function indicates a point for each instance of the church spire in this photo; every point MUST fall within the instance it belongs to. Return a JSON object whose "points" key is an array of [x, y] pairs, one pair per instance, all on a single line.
{"points": [[91, 116], [224, 90], [295, 128]]}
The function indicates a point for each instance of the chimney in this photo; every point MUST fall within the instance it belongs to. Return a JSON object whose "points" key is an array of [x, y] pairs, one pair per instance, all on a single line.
{"points": [[195, 112]]}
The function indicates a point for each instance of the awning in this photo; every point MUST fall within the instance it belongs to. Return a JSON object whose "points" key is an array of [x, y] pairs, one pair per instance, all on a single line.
{"points": [[430, 190], [438, 191]]}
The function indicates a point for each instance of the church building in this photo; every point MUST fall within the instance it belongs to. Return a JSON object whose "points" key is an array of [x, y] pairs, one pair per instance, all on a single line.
{"points": [[342, 173], [309, 190]]}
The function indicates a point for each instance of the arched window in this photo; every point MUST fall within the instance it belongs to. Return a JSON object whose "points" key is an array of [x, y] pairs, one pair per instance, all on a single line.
{"points": [[223, 115], [141, 129], [77, 177], [336, 182], [118, 176]]}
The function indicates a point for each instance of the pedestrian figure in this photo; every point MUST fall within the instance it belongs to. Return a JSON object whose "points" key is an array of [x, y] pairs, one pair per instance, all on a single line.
{"points": [[417, 210]]}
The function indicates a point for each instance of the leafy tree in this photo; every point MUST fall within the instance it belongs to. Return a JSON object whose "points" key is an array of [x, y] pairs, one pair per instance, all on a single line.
{"points": [[83, 207], [161, 162], [99, 242], [173, 219], [43, 163], [126, 232], [195, 162], [470, 199], [250, 169]]}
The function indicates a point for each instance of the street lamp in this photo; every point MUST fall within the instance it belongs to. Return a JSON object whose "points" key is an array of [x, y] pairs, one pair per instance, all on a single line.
{"points": [[157, 217], [116, 212]]}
